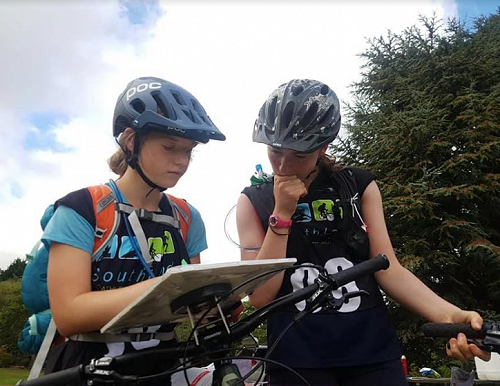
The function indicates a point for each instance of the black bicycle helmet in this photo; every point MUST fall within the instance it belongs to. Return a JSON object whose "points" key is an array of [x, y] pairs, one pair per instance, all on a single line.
{"points": [[150, 103], [301, 115]]}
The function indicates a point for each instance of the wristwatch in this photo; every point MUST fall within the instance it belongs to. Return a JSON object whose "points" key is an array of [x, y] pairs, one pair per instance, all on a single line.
{"points": [[276, 222]]}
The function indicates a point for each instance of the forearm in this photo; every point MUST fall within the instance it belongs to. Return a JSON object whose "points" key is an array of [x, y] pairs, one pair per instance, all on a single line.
{"points": [[405, 288], [89, 311], [274, 247]]}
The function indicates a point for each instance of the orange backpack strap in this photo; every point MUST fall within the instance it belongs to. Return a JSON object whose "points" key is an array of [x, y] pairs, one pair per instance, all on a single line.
{"points": [[182, 213], [106, 217]]}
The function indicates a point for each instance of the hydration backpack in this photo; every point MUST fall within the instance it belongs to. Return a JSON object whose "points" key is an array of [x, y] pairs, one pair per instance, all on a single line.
{"points": [[34, 290]]}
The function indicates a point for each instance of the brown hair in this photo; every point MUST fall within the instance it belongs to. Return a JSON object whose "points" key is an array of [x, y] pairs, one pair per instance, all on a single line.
{"points": [[328, 164], [118, 161]]}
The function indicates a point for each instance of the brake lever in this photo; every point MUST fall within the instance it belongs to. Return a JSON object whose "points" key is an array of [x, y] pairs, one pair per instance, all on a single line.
{"points": [[488, 344], [487, 348]]}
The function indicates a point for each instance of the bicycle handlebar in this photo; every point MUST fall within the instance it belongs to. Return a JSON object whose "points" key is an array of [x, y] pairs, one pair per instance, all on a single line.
{"points": [[489, 333], [451, 330], [60, 378], [211, 338]]}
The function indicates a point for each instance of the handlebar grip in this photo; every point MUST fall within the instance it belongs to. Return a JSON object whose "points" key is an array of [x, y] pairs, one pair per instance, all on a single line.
{"points": [[451, 330], [366, 267], [71, 376]]}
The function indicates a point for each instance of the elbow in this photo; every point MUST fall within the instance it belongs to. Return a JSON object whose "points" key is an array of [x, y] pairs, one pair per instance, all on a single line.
{"points": [[64, 328], [68, 323]]}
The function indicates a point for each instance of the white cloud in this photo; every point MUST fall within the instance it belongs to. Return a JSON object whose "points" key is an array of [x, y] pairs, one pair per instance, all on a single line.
{"points": [[77, 58]]}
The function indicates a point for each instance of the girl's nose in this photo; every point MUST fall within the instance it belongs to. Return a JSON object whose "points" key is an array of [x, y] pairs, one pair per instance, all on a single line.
{"points": [[283, 166]]}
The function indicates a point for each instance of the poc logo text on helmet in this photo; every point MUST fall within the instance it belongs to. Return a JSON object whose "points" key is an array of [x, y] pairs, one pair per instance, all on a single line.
{"points": [[142, 87]]}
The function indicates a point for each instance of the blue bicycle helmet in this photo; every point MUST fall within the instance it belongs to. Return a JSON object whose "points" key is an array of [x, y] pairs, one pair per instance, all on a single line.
{"points": [[301, 115], [150, 103]]}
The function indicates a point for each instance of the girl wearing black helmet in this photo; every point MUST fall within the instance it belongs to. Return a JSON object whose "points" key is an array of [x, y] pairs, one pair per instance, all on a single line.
{"points": [[306, 213], [157, 124]]}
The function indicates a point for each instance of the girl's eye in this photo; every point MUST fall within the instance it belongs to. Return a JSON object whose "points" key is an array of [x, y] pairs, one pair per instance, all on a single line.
{"points": [[299, 156], [168, 148]]}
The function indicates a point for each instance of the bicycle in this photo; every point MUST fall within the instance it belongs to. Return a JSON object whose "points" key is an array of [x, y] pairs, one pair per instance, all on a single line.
{"points": [[219, 337]]}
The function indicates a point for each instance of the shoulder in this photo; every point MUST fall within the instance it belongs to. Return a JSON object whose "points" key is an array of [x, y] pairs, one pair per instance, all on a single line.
{"points": [[261, 190], [196, 239], [362, 177], [195, 213], [67, 226], [81, 202], [182, 204]]}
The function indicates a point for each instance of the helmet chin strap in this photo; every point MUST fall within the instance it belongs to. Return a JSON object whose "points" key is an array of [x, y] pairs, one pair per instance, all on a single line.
{"points": [[147, 180], [313, 171], [133, 161]]}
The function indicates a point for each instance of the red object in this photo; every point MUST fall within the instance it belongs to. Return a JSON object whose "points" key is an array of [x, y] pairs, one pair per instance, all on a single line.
{"points": [[405, 365]]}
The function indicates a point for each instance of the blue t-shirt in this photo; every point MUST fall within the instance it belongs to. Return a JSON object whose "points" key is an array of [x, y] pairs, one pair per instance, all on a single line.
{"points": [[74, 223]]}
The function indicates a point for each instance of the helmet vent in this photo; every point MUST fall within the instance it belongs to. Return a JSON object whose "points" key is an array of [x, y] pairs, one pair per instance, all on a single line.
{"points": [[160, 107], [309, 115], [178, 98], [297, 90], [190, 115], [271, 113], [327, 116], [324, 90], [287, 114], [197, 107], [138, 105]]}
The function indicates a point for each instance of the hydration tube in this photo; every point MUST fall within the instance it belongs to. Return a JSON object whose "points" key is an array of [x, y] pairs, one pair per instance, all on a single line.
{"points": [[132, 238]]}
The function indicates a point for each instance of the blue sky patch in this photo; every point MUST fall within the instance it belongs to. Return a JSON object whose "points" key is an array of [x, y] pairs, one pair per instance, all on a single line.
{"points": [[469, 10], [141, 11], [16, 190], [43, 138]]}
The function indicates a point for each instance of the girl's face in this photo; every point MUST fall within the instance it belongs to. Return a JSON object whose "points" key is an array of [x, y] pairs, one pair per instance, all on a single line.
{"points": [[165, 158], [290, 162]]}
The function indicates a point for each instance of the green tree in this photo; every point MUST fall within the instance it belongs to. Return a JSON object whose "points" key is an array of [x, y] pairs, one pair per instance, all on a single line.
{"points": [[14, 270], [261, 331], [12, 319], [426, 120]]}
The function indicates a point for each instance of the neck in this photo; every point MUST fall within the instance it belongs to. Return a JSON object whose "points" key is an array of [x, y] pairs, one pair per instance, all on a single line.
{"points": [[137, 192], [311, 177]]}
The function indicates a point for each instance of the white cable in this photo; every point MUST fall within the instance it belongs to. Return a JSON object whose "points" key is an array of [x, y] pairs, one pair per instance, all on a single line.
{"points": [[228, 236]]}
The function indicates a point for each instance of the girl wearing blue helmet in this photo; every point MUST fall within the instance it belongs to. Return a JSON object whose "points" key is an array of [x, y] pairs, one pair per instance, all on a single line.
{"points": [[156, 124], [303, 213]]}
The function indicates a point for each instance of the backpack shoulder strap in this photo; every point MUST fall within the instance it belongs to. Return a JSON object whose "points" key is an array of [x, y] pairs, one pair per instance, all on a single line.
{"points": [[107, 221], [349, 194], [182, 213]]}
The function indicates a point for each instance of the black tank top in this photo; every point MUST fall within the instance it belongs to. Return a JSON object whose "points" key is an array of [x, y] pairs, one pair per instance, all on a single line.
{"points": [[361, 332]]}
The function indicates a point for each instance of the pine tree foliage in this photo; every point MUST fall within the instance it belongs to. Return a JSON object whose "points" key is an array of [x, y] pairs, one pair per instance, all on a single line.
{"points": [[426, 120]]}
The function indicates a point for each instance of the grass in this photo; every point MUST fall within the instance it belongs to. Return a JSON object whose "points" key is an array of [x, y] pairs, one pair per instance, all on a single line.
{"points": [[10, 376]]}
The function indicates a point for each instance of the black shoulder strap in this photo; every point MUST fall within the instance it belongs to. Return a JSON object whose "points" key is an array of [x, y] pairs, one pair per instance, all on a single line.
{"points": [[349, 194], [353, 224], [346, 181]]}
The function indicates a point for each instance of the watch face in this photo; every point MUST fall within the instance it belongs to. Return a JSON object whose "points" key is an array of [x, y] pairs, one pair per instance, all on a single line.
{"points": [[273, 221]]}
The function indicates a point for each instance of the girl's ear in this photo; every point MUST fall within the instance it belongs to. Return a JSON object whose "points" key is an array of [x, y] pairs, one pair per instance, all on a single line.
{"points": [[323, 150], [129, 139]]}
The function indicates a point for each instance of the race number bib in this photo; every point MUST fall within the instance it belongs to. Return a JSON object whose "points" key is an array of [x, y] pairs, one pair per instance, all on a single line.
{"points": [[305, 276]]}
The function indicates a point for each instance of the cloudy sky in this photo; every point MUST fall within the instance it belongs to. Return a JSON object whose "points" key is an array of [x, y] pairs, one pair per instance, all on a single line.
{"points": [[63, 65]]}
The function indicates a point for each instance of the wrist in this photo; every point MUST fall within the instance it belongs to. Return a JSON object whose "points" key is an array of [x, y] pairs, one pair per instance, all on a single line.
{"points": [[278, 222], [283, 213]]}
